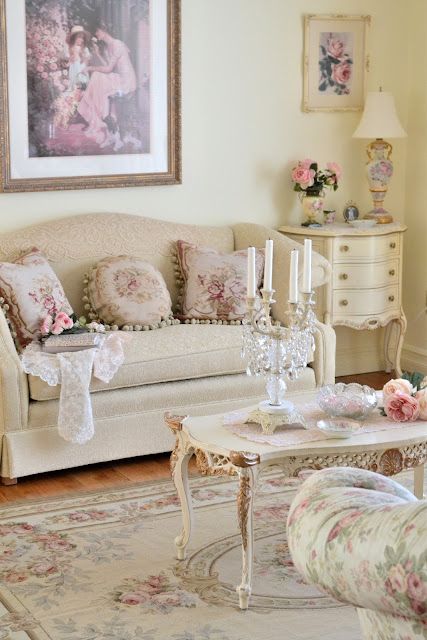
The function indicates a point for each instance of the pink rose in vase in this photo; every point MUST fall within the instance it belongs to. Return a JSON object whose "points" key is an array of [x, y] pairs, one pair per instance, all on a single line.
{"points": [[304, 176], [401, 407]]}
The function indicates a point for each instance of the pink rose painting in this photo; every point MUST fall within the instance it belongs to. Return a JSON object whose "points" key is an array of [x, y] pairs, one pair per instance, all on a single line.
{"points": [[335, 63]]}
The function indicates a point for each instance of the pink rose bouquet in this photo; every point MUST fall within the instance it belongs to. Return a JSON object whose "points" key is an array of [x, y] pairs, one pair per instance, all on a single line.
{"points": [[307, 177], [403, 402]]}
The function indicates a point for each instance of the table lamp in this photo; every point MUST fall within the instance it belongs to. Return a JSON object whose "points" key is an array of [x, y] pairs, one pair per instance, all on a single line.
{"points": [[379, 121]]}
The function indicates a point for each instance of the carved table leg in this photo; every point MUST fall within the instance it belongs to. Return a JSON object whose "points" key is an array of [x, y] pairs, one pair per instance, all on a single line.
{"points": [[247, 487], [419, 482], [180, 478], [179, 465]]}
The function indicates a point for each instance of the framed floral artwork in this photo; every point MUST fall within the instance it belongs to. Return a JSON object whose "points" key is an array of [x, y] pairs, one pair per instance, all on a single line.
{"points": [[336, 62], [90, 94]]}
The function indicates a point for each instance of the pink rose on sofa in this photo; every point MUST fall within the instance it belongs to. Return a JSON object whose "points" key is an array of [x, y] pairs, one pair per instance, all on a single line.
{"points": [[421, 396], [62, 321], [392, 386], [304, 176], [46, 325], [401, 407]]}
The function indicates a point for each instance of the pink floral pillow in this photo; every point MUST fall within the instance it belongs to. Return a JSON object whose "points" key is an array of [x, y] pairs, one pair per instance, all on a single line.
{"points": [[214, 284], [31, 291], [127, 291]]}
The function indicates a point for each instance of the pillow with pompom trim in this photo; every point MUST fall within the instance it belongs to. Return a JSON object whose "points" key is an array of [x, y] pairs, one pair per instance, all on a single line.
{"points": [[128, 293], [213, 284]]}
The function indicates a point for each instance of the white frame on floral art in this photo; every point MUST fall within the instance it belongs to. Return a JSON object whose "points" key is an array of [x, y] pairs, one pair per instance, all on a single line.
{"points": [[357, 28], [160, 165]]}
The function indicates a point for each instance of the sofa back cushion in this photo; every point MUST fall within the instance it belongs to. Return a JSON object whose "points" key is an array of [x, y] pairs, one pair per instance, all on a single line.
{"points": [[73, 245]]}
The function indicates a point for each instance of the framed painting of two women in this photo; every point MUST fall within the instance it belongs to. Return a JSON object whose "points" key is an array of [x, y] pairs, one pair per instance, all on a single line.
{"points": [[90, 93]]}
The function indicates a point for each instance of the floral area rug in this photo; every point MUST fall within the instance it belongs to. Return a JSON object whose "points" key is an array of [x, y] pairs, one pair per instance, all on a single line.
{"points": [[102, 566]]}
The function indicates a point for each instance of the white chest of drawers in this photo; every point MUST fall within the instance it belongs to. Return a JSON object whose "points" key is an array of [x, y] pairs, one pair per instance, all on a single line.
{"points": [[365, 291]]}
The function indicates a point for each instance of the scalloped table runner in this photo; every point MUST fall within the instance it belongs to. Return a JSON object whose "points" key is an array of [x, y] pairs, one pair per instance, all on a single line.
{"points": [[291, 435], [73, 371]]}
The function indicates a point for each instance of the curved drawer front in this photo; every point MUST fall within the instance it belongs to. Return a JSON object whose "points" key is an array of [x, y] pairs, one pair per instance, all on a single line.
{"points": [[372, 247], [365, 276], [368, 302]]}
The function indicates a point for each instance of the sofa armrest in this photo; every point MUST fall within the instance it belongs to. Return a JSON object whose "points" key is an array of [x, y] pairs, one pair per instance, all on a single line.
{"points": [[323, 362], [361, 538], [254, 235], [14, 398]]}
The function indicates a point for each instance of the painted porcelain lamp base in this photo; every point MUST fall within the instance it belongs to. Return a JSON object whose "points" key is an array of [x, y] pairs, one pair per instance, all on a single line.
{"points": [[379, 170]]}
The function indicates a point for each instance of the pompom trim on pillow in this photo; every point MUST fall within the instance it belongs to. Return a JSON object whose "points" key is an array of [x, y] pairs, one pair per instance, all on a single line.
{"points": [[180, 282], [94, 316]]}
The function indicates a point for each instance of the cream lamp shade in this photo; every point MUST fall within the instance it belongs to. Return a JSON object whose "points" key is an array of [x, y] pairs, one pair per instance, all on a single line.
{"points": [[379, 121]]}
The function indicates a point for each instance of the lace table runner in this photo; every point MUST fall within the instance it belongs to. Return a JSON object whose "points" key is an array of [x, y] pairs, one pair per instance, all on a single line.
{"points": [[73, 371], [291, 435]]}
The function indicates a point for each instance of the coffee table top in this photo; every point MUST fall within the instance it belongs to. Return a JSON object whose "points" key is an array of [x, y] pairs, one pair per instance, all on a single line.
{"points": [[209, 434]]}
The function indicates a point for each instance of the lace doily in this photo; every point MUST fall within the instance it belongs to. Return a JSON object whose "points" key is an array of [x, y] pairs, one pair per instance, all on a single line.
{"points": [[291, 435], [73, 371]]}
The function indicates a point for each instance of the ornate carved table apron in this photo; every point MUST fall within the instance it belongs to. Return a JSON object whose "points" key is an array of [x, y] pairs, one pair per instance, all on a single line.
{"points": [[219, 452]]}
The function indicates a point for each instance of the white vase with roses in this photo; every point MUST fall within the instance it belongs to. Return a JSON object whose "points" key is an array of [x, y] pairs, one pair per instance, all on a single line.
{"points": [[310, 182]]}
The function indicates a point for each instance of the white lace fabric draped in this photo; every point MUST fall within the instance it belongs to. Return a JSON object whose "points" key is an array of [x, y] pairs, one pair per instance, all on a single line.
{"points": [[73, 371]]}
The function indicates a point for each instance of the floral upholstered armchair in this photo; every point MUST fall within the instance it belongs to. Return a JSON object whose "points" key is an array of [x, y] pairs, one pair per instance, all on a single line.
{"points": [[362, 538]]}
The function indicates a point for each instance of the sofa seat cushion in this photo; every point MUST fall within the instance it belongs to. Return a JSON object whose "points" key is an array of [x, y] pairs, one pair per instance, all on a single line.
{"points": [[177, 352]]}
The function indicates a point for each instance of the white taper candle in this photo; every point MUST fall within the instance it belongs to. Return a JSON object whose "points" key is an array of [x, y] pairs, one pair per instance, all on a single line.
{"points": [[306, 279], [251, 286], [268, 266], [293, 277]]}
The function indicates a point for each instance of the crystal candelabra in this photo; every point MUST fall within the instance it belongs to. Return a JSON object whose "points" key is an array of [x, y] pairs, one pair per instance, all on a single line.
{"points": [[278, 352]]}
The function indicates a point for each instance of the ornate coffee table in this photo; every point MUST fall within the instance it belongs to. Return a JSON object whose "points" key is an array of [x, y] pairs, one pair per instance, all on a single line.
{"points": [[219, 452]]}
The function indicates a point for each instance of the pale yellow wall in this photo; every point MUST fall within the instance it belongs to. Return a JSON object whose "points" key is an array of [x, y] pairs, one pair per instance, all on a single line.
{"points": [[415, 263], [243, 129], [242, 123]]}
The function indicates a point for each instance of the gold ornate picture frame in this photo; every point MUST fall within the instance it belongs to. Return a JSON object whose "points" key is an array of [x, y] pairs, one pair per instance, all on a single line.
{"points": [[90, 96], [336, 62]]}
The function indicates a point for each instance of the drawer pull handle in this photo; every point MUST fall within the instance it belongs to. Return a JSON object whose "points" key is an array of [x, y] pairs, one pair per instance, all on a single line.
{"points": [[392, 245], [391, 298], [343, 303], [343, 276], [392, 272], [344, 247]]}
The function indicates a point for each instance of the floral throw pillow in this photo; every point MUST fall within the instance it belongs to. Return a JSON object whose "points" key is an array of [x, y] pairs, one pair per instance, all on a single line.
{"points": [[31, 291], [128, 292], [214, 284]]}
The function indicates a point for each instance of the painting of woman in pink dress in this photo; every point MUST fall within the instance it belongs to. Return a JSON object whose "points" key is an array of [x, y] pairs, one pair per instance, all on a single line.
{"points": [[88, 70], [115, 78]]}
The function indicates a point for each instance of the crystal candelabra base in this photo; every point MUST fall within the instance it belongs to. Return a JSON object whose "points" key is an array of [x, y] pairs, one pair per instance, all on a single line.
{"points": [[286, 407], [279, 353]]}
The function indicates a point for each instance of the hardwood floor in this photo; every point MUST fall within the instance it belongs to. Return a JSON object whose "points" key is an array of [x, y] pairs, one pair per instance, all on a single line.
{"points": [[120, 473]]}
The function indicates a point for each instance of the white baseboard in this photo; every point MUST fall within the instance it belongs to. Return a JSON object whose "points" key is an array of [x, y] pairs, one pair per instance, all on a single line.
{"points": [[414, 358], [353, 361]]}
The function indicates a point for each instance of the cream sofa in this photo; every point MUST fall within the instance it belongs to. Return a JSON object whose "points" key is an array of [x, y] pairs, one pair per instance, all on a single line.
{"points": [[192, 369]]}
